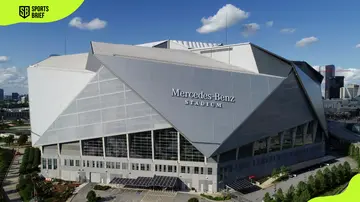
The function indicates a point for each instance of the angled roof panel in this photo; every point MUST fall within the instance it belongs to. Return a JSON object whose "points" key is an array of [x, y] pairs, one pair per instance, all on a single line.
{"points": [[66, 62]]}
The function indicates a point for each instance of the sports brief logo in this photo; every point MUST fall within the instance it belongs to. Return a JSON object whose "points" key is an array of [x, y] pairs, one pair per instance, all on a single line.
{"points": [[24, 11], [34, 11]]}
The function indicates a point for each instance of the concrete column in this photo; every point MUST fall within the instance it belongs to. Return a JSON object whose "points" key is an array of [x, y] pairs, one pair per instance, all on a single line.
{"points": [[178, 146], [268, 144], [58, 150], [81, 153], [253, 149], [281, 140], [306, 126], [314, 129], [293, 136], [127, 147], [205, 160], [103, 144], [152, 146], [237, 153]]}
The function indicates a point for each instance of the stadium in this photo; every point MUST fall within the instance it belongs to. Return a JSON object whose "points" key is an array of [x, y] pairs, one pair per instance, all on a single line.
{"points": [[174, 115]]}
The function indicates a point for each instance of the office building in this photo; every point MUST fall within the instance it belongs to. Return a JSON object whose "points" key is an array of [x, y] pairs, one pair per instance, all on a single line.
{"points": [[336, 83], [349, 92], [2, 94], [134, 112], [329, 73], [15, 96]]}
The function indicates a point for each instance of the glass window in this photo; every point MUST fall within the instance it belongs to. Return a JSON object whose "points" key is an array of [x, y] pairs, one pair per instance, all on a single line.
{"points": [[260, 147], [196, 170], [101, 164], [245, 151], [169, 169], [188, 152], [115, 146], [142, 167], [93, 164], [140, 145], [201, 170], [88, 163], [318, 137], [160, 168], [182, 169], [175, 169], [113, 165], [97, 164], [43, 163], [118, 165], [133, 166], [228, 156], [209, 171], [308, 135], [137, 166], [148, 167], [71, 162], [124, 166], [299, 137], [275, 143], [92, 147], [188, 169], [165, 144], [287, 140], [107, 164], [49, 164], [84, 163], [77, 163], [164, 168], [55, 163], [156, 167]]}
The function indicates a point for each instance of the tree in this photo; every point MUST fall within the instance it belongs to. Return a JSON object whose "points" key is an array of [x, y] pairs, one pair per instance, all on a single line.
{"points": [[341, 173], [284, 170], [290, 195], [301, 187], [304, 196], [91, 196], [319, 182], [311, 186], [275, 172], [9, 139], [279, 196], [356, 153], [348, 171], [328, 178], [268, 198], [22, 139], [193, 199], [335, 178], [351, 150]]}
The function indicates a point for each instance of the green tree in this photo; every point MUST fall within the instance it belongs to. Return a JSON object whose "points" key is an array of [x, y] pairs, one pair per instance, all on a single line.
{"points": [[22, 139], [311, 185], [290, 195], [301, 187], [91, 196], [193, 199], [319, 182], [347, 170], [275, 172], [356, 153], [304, 196], [279, 196], [351, 150], [335, 178], [341, 173], [9, 139], [268, 198], [284, 170], [328, 178]]}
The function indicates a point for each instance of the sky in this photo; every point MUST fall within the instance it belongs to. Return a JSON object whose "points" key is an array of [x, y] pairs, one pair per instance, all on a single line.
{"points": [[319, 32]]}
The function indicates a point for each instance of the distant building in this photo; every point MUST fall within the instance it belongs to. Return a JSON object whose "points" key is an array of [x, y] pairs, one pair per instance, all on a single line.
{"points": [[335, 84], [15, 96], [24, 99], [338, 105], [1, 94], [349, 92], [329, 73]]}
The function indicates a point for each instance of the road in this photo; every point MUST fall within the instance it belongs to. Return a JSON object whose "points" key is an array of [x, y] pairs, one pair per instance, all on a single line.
{"points": [[285, 185]]}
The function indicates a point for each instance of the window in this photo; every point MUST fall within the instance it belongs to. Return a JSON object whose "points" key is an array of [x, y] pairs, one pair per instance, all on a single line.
{"points": [[77, 163], [275, 143], [113, 165], [182, 169], [43, 163], [165, 144], [49, 164], [71, 162], [115, 146], [160, 168], [140, 145], [55, 164], [101, 164], [66, 162], [260, 147], [117, 165], [201, 170], [188, 169], [142, 167], [156, 167], [287, 139], [196, 170], [148, 167], [133, 166], [92, 147], [84, 163], [169, 169], [88, 163], [93, 164], [209, 171], [308, 135], [107, 164], [124, 166], [188, 152], [299, 137], [175, 168], [97, 164]]}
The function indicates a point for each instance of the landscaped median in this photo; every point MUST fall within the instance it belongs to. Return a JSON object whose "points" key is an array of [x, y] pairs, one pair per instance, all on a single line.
{"points": [[219, 197]]}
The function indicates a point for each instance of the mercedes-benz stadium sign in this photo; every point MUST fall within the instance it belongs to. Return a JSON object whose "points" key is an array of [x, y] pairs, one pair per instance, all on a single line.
{"points": [[202, 99]]}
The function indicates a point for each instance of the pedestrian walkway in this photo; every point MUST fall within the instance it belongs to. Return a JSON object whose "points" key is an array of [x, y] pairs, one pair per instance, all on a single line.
{"points": [[12, 179]]}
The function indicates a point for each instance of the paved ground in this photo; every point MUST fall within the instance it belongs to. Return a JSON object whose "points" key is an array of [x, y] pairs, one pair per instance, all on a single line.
{"points": [[131, 195], [12, 179], [258, 195]]}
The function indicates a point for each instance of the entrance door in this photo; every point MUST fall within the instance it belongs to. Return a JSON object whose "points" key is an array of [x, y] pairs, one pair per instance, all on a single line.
{"points": [[210, 188], [201, 188], [95, 177]]}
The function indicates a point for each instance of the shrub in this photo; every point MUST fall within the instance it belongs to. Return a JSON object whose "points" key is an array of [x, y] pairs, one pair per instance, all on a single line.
{"points": [[99, 187], [193, 200], [91, 196]]}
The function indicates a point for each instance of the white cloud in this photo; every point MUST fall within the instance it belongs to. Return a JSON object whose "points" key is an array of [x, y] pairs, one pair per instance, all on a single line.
{"points": [[250, 29], [288, 30], [228, 15], [13, 79], [92, 25], [4, 58], [357, 46], [306, 41], [269, 23]]}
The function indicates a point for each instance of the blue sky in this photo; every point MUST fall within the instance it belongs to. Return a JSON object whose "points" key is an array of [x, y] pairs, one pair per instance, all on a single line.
{"points": [[334, 24]]}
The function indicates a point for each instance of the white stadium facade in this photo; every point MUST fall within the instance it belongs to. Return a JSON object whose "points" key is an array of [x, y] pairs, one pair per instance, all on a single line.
{"points": [[173, 114]]}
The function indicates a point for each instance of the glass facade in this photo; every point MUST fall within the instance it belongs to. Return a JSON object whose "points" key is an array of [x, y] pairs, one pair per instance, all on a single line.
{"points": [[245, 151], [140, 145], [188, 152], [287, 139], [165, 144], [299, 137], [260, 146], [275, 143], [115, 146], [92, 147]]}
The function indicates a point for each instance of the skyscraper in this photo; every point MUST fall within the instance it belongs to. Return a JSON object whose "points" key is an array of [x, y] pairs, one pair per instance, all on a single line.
{"points": [[335, 84], [329, 73], [1, 94], [15, 96]]}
